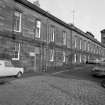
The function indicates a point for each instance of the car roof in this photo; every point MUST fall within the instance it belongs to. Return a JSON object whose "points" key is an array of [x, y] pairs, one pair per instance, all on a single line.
{"points": [[4, 60]]}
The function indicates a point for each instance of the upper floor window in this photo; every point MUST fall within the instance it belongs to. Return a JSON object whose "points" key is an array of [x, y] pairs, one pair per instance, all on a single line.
{"points": [[80, 44], [38, 28], [64, 37], [52, 33], [88, 47], [17, 21], [85, 45], [75, 42]]}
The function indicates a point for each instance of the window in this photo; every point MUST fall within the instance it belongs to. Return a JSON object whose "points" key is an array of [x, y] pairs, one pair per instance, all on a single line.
{"points": [[52, 33], [38, 28], [52, 55], [16, 52], [88, 57], [64, 37], [8, 64], [80, 58], [64, 56], [88, 47], [75, 58], [84, 45], [17, 21], [84, 58], [80, 44], [75, 42]]}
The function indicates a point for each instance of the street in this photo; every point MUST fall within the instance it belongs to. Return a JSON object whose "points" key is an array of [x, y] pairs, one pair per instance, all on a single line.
{"points": [[71, 87], [83, 73]]}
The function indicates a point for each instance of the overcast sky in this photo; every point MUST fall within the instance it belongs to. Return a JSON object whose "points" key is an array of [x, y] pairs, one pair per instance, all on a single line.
{"points": [[89, 14]]}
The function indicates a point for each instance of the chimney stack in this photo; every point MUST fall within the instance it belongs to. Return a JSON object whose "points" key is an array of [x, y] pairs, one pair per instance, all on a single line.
{"points": [[36, 3]]}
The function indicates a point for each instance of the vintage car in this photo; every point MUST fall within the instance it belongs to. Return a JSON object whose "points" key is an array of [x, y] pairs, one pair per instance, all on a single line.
{"points": [[8, 69], [93, 61], [99, 69]]}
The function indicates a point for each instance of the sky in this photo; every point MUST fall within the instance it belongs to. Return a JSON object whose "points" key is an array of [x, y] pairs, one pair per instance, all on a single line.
{"points": [[88, 14]]}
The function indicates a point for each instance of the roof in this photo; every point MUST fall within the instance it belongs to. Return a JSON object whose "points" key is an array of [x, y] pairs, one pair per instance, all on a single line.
{"points": [[41, 11], [45, 13]]}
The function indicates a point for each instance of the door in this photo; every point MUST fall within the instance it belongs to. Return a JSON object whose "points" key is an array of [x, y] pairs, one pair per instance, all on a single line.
{"points": [[37, 62]]}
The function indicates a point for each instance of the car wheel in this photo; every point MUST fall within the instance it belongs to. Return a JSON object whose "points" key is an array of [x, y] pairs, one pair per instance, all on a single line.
{"points": [[103, 83], [19, 74]]}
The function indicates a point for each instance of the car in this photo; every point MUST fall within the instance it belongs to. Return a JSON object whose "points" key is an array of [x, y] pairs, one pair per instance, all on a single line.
{"points": [[99, 69], [94, 61], [8, 69], [103, 83]]}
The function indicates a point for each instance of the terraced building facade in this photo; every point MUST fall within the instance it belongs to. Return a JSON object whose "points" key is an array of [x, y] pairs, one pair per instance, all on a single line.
{"points": [[40, 41]]}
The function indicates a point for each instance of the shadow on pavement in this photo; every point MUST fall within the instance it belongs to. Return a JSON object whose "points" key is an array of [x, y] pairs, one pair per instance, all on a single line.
{"points": [[6, 80]]}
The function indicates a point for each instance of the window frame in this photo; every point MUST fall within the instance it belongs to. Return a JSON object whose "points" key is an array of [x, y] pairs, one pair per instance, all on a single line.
{"points": [[80, 44], [52, 33], [85, 45], [75, 58], [18, 58], [64, 56], [88, 47], [80, 58], [64, 37], [75, 42], [37, 26], [8, 64], [20, 22], [51, 55]]}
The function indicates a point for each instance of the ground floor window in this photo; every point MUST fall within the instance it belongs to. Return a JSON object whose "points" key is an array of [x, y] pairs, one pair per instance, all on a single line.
{"points": [[52, 55], [64, 56], [75, 58], [84, 60], [80, 58], [16, 51]]}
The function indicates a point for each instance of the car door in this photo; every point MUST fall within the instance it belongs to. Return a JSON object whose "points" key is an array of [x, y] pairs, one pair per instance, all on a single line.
{"points": [[9, 69], [2, 70]]}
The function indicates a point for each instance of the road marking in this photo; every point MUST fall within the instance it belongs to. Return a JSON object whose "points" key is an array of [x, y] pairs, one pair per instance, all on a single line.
{"points": [[60, 72]]}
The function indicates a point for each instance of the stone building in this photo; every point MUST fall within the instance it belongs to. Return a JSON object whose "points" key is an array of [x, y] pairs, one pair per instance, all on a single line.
{"points": [[40, 41]]}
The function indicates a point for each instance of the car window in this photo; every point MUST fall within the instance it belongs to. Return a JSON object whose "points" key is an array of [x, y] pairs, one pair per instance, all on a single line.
{"points": [[8, 64]]}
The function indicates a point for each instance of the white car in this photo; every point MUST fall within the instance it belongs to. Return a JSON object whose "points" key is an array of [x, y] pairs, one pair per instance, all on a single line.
{"points": [[99, 69], [7, 69]]}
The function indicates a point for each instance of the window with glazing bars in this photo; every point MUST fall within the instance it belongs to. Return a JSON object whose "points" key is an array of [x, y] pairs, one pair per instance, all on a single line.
{"points": [[16, 52], [17, 21], [38, 28], [64, 37]]}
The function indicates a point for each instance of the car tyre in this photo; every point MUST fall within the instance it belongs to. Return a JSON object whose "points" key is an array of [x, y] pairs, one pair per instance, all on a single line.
{"points": [[19, 74]]}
